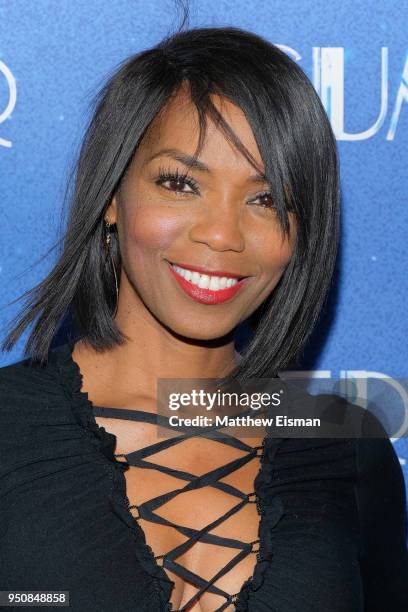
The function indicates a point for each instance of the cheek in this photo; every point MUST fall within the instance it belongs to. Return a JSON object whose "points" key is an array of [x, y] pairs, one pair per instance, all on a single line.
{"points": [[275, 252], [150, 229]]}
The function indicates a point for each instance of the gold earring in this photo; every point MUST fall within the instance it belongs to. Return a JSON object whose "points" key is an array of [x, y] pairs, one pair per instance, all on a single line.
{"points": [[108, 249]]}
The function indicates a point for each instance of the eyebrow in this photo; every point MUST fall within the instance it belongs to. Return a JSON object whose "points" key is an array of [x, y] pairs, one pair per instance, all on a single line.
{"points": [[194, 162]]}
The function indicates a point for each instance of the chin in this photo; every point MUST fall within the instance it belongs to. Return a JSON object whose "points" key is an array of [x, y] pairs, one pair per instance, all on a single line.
{"points": [[199, 331]]}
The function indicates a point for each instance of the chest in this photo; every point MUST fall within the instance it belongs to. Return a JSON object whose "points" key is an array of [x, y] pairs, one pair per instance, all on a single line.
{"points": [[190, 496]]}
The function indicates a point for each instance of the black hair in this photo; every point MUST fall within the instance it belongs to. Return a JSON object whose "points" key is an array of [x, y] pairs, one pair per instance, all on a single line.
{"points": [[299, 153]]}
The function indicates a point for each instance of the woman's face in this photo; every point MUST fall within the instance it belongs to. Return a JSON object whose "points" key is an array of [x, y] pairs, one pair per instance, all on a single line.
{"points": [[217, 219]]}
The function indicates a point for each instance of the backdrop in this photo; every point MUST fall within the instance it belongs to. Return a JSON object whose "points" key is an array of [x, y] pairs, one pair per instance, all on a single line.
{"points": [[55, 54]]}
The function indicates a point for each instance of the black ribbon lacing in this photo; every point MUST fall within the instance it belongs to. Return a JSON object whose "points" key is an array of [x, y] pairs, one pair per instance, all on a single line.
{"points": [[146, 510]]}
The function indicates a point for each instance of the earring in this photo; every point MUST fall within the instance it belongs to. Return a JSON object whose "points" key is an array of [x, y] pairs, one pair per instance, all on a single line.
{"points": [[108, 249]]}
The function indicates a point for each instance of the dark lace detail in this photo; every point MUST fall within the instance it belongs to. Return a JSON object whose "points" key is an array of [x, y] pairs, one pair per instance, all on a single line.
{"points": [[269, 507], [271, 510], [82, 408]]}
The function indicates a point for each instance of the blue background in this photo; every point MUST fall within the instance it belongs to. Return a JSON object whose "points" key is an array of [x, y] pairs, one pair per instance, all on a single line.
{"points": [[59, 53]]}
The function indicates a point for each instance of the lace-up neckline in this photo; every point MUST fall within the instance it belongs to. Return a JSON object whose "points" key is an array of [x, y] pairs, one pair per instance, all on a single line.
{"points": [[269, 514]]}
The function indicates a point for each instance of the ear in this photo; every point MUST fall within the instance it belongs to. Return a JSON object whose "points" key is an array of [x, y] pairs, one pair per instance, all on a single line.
{"points": [[111, 213]]}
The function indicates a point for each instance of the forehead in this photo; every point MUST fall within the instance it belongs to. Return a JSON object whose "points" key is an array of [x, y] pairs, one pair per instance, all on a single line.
{"points": [[177, 126]]}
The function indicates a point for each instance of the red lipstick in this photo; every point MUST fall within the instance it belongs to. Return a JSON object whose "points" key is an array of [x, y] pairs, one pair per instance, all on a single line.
{"points": [[208, 296]]}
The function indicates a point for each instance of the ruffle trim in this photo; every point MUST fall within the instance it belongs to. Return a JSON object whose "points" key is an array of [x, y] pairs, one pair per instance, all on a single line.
{"points": [[71, 379], [270, 508]]}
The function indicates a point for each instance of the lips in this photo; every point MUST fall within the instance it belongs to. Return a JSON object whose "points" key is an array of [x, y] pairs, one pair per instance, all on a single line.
{"points": [[204, 295]]}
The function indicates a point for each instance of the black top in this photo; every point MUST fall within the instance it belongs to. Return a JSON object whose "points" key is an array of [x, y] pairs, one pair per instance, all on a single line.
{"points": [[332, 531]]}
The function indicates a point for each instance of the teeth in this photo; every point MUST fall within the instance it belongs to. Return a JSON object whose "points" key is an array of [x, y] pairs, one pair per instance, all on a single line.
{"points": [[214, 283], [195, 277], [204, 281]]}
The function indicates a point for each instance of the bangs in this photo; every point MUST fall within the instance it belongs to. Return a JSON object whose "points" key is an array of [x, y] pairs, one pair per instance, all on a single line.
{"points": [[200, 95]]}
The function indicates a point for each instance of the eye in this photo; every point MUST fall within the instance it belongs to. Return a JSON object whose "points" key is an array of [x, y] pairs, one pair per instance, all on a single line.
{"points": [[177, 182], [264, 199]]}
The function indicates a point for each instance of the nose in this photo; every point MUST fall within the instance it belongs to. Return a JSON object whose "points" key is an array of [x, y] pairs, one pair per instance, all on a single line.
{"points": [[219, 227]]}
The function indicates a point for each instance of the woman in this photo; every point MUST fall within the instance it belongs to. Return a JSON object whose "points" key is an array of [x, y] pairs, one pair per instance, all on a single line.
{"points": [[206, 197]]}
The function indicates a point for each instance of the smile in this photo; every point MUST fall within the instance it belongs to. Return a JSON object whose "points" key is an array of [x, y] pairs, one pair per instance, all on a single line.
{"points": [[206, 288]]}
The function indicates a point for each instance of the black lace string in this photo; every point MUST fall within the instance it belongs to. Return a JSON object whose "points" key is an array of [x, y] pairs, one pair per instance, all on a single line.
{"points": [[146, 510]]}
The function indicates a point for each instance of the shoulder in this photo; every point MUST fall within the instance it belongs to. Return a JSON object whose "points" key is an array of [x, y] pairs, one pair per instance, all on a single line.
{"points": [[28, 388], [39, 420], [349, 431], [363, 464]]}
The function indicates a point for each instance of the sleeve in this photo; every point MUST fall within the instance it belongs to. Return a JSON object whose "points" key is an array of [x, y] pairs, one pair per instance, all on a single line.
{"points": [[315, 544], [340, 544], [381, 503]]}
